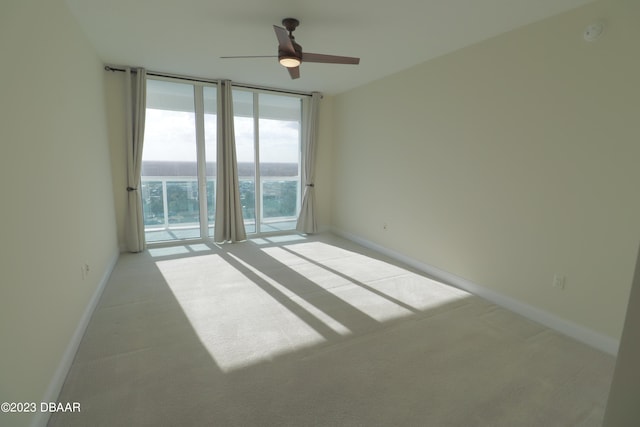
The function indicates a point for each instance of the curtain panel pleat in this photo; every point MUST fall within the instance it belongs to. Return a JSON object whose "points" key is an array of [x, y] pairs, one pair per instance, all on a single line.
{"points": [[229, 226], [307, 218], [135, 92]]}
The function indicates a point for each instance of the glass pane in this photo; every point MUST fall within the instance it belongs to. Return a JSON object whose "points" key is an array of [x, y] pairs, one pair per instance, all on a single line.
{"points": [[182, 202], [169, 171], [211, 203], [279, 199], [248, 201], [245, 152], [152, 203], [279, 143], [210, 137]]}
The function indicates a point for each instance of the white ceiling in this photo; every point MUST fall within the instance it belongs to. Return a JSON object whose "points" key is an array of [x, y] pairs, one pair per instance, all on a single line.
{"points": [[188, 36]]}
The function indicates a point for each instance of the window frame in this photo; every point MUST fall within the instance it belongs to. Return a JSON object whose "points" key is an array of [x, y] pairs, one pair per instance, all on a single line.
{"points": [[199, 110]]}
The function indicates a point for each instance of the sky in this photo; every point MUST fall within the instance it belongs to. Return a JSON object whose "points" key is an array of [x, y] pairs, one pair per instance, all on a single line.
{"points": [[170, 136]]}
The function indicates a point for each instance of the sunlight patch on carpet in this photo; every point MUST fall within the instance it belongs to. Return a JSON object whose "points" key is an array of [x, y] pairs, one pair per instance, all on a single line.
{"points": [[238, 322], [380, 289]]}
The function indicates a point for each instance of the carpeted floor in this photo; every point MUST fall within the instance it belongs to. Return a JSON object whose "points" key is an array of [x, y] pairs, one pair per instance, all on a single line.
{"points": [[297, 331]]}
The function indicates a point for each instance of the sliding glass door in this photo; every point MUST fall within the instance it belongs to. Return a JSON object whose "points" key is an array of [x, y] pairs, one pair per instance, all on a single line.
{"points": [[280, 121], [268, 146], [178, 161]]}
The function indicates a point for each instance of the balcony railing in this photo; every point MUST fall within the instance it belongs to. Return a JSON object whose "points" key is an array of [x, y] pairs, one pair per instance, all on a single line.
{"points": [[171, 206]]}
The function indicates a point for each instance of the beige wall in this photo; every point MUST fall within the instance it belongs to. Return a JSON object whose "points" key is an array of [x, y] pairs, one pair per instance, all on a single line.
{"points": [[507, 162], [622, 408], [324, 162], [57, 211]]}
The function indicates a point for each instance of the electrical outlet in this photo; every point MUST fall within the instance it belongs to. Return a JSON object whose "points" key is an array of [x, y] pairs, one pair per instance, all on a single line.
{"points": [[559, 281]]}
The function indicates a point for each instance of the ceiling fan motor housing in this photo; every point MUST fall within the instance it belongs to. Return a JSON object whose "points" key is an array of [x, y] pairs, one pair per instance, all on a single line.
{"points": [[290, 24]]}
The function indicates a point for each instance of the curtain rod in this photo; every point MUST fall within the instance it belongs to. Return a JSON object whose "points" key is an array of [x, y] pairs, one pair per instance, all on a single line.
{"points": [[203, 80]]}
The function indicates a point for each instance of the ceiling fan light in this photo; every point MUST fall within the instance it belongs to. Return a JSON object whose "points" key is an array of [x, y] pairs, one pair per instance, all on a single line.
{"points": [[289, 61]]}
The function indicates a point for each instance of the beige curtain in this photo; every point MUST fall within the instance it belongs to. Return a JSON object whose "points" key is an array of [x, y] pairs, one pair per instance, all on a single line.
{"points": [[136, 94], [229, 222], [307, 218]]}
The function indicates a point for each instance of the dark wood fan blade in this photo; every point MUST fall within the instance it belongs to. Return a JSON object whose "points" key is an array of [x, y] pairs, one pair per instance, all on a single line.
{"points": [[249, 56], [294, 72], [329, 59], [284, 42]]}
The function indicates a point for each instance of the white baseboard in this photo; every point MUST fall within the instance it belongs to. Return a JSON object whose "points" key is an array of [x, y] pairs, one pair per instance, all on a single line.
{"points": [[57, 381], [580, 333]]}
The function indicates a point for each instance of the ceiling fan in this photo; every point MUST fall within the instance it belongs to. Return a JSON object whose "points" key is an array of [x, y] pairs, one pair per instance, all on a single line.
{"points": [[290, 53]]}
